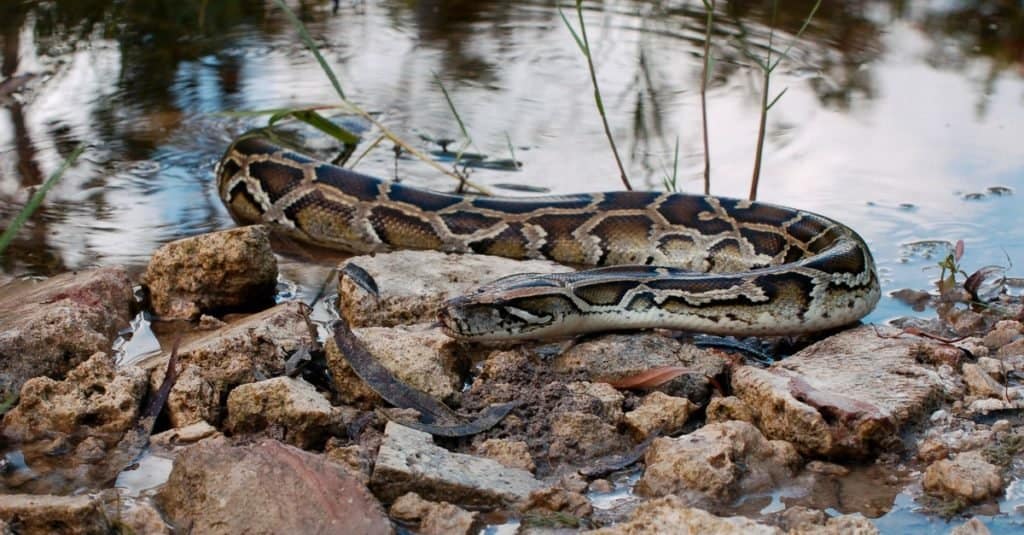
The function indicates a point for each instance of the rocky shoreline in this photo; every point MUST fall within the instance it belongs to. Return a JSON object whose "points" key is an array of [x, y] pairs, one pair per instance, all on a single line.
{"points": [[268, 429]]}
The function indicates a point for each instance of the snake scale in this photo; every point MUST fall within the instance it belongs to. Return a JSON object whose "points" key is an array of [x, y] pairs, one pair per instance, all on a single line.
{"points": [[710, 264]]}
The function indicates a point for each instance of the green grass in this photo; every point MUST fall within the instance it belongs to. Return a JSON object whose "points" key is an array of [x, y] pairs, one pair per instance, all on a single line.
{"points": [[37, 199]]}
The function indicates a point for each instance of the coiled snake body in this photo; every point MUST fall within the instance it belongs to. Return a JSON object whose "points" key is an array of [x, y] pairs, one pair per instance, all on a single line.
{"points": [[673, 260]]}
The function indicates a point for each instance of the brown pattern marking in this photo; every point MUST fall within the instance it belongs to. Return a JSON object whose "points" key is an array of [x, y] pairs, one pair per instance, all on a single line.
{"points": [[510, 243], [400, 230]]}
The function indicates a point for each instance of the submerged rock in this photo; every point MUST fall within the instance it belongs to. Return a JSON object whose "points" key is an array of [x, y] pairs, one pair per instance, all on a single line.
{"points": [[411, 285], [30, 514], [230, 269], [70, 425], [968, 477], [409, 461], [419, 355], [846, 396], [290, 406], [48, 327], [248, 350], [717, 463], [672, 515], [266, 488]]}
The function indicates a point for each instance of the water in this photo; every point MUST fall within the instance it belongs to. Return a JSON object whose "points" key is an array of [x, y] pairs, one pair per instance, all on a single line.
{"points": [[900, 118]]}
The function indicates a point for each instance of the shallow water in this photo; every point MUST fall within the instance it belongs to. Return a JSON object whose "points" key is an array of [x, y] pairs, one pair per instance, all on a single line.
{"points": [[900, 118]]}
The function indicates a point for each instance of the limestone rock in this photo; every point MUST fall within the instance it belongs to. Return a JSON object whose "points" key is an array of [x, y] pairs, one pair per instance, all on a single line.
{"points": [[49, 327], [724, 409], [974, 526], [411, 285], [419, 355], [408, 461], [247, 350], [610, 398], [980, 383], [613, 357], [266, 488], [289, 404], [224, 270], [181, 436], [671, 515], [557, 500], [31, 514], [577, 436], [511, 453], [434, 518], [845, 396], [659, 412], [717, 462], [69, 427], [968, 477]]}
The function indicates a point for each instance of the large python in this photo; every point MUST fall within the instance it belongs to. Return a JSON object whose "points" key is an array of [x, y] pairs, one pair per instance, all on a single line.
{"points": [[710, 264]]}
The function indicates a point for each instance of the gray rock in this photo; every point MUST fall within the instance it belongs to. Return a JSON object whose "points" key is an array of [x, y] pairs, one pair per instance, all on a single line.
{"points": [[845, 396], [48, 327], [412, 284], [30, 514], [409, 461], [266, 488], [251, 349], [229, 269]]}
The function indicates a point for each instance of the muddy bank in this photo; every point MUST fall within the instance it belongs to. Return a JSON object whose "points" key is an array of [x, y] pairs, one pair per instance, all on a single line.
{"points": [[263, 414]]}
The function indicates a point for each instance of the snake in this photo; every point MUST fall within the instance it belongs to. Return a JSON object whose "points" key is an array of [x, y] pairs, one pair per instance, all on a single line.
{"points": [[716, 265]]}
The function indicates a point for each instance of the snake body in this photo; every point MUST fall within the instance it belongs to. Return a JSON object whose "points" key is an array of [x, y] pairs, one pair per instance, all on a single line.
{"points": [[673, 260]]}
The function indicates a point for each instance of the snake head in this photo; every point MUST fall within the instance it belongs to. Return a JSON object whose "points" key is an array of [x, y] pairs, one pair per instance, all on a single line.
{"points": [[523, 306]]}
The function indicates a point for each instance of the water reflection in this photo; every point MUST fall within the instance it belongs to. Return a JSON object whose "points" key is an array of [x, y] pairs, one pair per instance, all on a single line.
{"points": [[887, 103]]}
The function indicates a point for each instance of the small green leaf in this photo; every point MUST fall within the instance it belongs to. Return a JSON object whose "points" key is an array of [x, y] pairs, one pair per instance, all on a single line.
{"points": [[777, 97], [324, 125]]}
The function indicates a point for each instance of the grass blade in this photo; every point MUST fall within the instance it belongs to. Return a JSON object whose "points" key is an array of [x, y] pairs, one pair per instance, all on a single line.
{"points": [[308, 39], [37, 199]]}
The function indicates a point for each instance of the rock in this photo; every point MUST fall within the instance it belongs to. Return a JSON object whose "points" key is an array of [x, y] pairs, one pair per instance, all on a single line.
{"points": [[266, 488], [230, 269], [931, 450], [610, 398], [557, 500], [69, 426], [248, 350], [420, 355], [1013, 349], [659, 413], [291, 405], [31, 514], [980, 383], [995, 368], [613, 357], [845, 396], [411, 285], [433, 518], [718, 462], [137, 515], [408, 461], [181, 436], [968, 477], [974, 526], [854, 524], [1002, 334], [671, 515], [724, 409], [356, 459], [827, 469], [49, 327], [511, 453], [577, 436]]}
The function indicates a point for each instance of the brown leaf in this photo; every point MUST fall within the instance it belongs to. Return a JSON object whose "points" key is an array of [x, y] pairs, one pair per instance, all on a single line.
{"points": [[651, 378], [958, 250]]}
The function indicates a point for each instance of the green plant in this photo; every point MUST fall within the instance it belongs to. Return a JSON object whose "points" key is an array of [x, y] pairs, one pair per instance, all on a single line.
{"points": [[584, 45], [670, 181], [951, 264], [768, 66], [349, 105], [37, 199], [709, 8]]}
